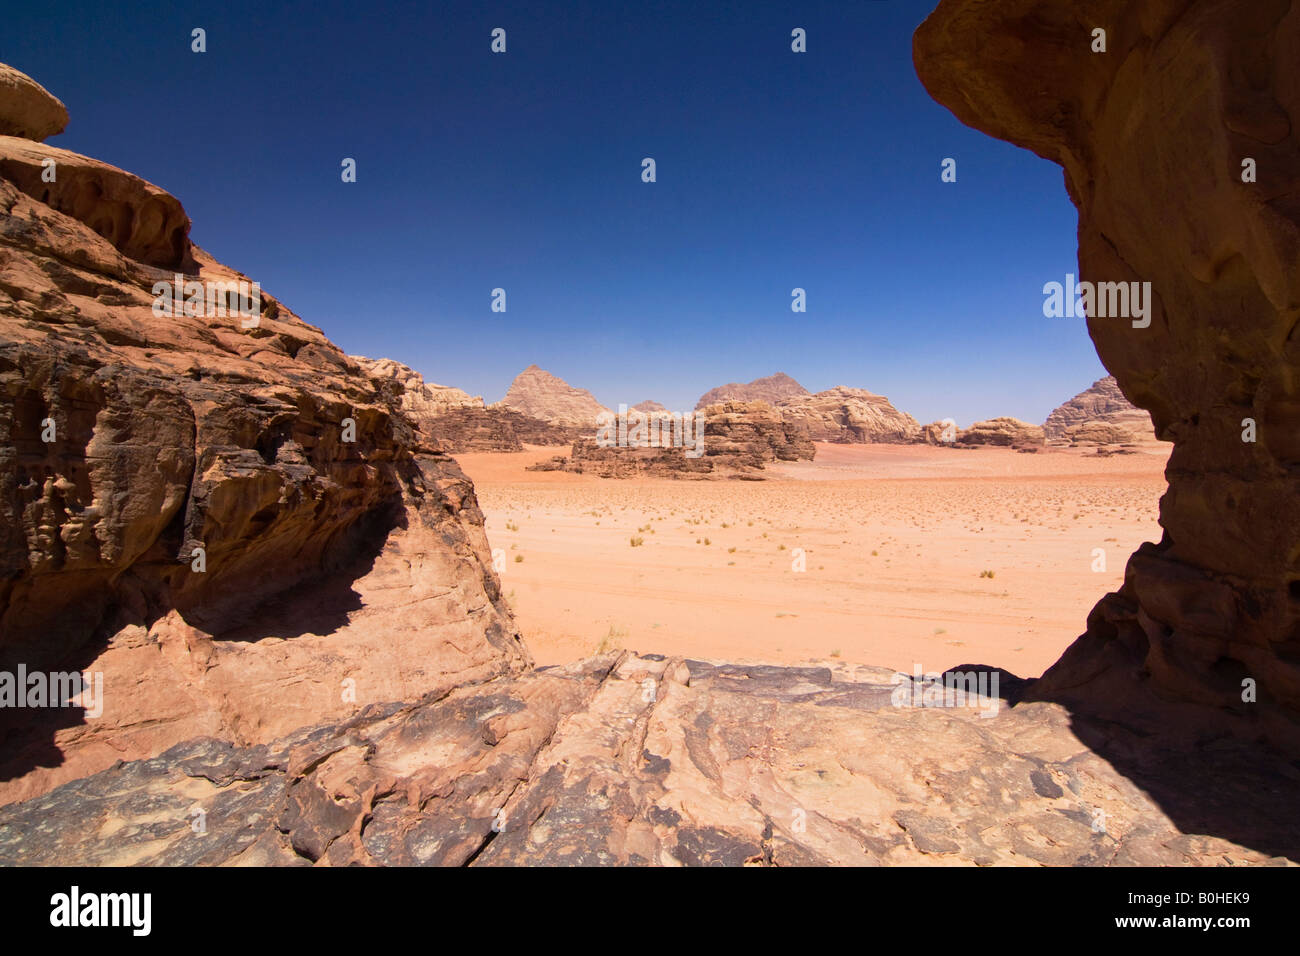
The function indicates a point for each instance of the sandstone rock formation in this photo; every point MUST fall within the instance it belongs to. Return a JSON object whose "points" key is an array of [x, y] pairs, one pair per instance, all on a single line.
{"points": [[1011, 432], [226, 521], [457, 423], [1099, 411], [627, 759], [773, 389], [649, 405], [943, 433], [1098, 433], [27, 109], [850, 415], [739, 437], [1157, 137], [136, 218], [539, 394], [419, 398]]}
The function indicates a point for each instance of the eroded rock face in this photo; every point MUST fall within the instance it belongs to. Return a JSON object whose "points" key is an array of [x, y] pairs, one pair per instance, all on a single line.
{"points": [[539, 394], [27, 109], [850, 416], [624, 759], [1011, 432], [1154, 136], [420, 399], [336, 544], [754, 432], [772, 389], [739, 439], [138, 219], [1098, 411], [454, 421]]}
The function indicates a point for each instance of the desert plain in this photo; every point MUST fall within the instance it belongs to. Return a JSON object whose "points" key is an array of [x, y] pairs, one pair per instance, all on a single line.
{"points": [[903, 556]]}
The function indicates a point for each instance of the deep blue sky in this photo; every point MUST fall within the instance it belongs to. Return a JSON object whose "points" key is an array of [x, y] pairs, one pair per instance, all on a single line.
{"points": [[523, 170]]}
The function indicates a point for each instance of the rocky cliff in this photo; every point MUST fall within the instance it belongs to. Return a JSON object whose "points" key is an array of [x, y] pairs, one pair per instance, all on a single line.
{"points": [[739, 439], [1100, 414], [454, 421], [218, 512], [1180, 152], [849, 416], [539, 394]]}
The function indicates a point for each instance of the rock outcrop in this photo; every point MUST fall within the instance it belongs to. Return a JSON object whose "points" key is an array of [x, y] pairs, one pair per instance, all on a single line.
{"points": [[420, 399], [850, 416], [218, 513], [539, 394], [773, 389], [456, 422], [740, 438], [27, 109], [1180, 151], [632, 760], [1011, 432], [1099, 415], [649, 405], [139, 220]]}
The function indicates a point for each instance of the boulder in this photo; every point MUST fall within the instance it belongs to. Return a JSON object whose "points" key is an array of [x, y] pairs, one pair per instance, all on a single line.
{"points": [[27, 109]]}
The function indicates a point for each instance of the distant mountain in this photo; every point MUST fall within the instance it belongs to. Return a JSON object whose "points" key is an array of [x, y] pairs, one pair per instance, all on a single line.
{"points": [[1101, 404], [649, 406], [540, 394], [772, 390]]}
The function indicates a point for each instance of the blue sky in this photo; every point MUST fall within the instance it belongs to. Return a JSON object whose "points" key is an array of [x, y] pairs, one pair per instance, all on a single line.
{"points": [[522, 171]]}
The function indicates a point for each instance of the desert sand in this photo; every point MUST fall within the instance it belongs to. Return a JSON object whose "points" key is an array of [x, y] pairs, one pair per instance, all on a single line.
{"points": [[913, 555]]}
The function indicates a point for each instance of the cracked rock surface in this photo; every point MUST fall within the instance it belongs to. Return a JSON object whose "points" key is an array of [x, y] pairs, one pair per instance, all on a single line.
{"points": [[627, 759]]}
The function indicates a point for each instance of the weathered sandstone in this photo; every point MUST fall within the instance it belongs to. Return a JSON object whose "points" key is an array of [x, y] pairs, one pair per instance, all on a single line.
{"points": [[27, 109], [340, 552], [626, 759], [1001, 431], [1101, 404], [772, 389], [455, 422], [539, 394], [1157, 136], [849, 415]]}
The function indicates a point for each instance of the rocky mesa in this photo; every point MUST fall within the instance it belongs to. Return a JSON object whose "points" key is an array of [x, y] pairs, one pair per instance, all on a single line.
{"points": [[849, 416]]}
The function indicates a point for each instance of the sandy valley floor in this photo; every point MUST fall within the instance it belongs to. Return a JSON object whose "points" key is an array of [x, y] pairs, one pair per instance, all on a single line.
{"points": [[912, 555]]}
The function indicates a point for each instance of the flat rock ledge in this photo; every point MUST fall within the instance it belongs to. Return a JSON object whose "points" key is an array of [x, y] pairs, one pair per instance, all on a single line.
{"points": [[638, 760]]}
